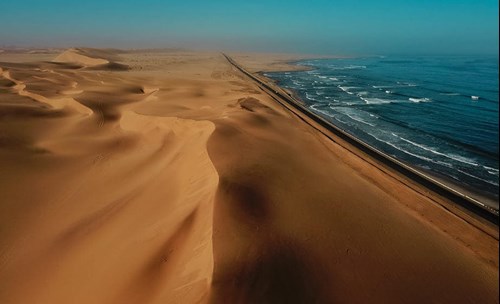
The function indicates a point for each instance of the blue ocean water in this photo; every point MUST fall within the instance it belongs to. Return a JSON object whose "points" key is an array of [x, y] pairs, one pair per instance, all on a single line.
{"points": [[439, 114]]}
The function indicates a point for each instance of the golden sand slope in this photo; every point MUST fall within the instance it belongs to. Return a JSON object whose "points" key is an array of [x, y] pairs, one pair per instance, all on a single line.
{"points": [[179, 181], [76, 56], [91, 59]]}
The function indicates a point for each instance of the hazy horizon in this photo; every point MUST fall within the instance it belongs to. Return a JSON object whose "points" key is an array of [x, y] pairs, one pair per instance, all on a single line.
{"points": [[317, 27]]}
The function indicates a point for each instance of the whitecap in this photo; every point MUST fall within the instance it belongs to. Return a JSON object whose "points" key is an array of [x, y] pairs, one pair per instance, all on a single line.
{"points": [[478, 178], [447, 155], [346, 89], [311, 98], [403, 150], [321, 111], [348, 67], [491, 171], [408, 84], [490, 168], [376, 100], [418, 100], [356, 118]]}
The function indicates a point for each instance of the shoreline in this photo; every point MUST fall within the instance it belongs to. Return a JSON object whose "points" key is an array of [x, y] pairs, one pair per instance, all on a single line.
{"points": [[432, 183], [485, 198]]}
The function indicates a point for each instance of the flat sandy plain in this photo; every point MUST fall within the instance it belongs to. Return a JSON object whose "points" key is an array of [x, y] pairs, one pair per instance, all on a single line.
{"points": [[169, 177]]}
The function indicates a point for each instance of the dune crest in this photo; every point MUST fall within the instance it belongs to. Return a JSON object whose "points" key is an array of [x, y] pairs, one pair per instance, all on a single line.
{"points": [[77, 56], [91, 59]]}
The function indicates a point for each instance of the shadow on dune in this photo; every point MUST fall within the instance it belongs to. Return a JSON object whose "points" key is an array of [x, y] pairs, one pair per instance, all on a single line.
{"points": [[269, 267], [254, 260], [279, 275], [112, 66]]}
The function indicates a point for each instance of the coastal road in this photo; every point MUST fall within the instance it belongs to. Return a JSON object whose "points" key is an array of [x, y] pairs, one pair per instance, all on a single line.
{"points": [[455, 196]]}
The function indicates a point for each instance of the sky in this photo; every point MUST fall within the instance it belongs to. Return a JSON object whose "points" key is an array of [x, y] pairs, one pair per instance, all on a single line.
{"points": [[340, 27]]}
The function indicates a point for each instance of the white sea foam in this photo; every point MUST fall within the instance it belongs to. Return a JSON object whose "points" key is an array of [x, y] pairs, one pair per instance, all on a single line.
{"points": [[403, 150], [447, 155], [376, 100], [308, 96], [321, 111], [491, 171], [408, 84], [418, 100], [490, 168], [478, 178], [348, 67], [346, 89], [358, 119], [399, 85], [338, 119]]}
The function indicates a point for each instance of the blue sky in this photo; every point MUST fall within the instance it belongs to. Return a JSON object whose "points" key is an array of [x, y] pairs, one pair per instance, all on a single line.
{"points": [[314, 26]]}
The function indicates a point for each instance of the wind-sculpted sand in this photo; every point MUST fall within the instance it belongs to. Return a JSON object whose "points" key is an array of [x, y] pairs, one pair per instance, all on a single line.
{"points": [[169, 177]]}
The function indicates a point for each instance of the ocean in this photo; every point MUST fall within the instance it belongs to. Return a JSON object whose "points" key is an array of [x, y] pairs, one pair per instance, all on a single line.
{"points": [[436, 113]]}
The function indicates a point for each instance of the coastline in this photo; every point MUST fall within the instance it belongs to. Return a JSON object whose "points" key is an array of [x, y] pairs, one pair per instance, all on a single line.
{"points": [[180, 180], [264, 62], [463, 195]]}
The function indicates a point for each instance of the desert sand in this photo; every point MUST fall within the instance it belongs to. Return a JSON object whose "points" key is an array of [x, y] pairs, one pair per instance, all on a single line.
{"points": [[170, 177]]}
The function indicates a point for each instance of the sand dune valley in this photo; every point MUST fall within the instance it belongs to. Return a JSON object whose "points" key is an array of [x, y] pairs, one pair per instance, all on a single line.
{"points": [[168, 176]]}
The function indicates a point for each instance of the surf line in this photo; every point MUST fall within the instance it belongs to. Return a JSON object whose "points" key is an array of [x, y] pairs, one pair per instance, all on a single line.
{"points": [[465, 201]]}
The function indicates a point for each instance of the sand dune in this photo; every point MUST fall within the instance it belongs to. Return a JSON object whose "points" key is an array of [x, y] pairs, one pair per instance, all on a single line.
{"points": [[90, 59], [180, 181], [75, 56]]}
